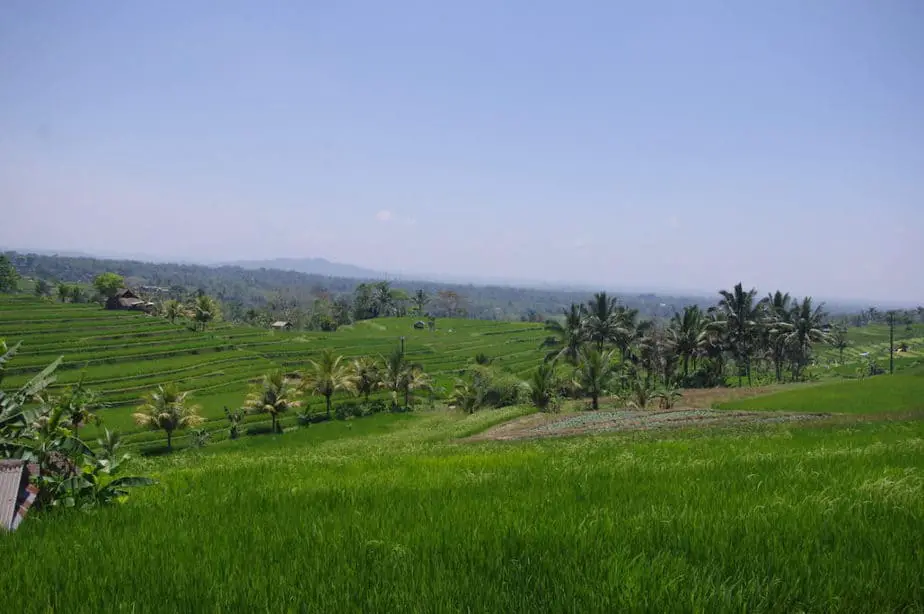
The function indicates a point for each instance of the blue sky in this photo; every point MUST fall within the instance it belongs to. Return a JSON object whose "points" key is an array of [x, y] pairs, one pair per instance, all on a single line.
{"points": [[681, 145]]}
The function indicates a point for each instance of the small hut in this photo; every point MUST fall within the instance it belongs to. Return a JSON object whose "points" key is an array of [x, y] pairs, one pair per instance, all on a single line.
{"points": [[16, 493], [281, 325], [126, 299]]}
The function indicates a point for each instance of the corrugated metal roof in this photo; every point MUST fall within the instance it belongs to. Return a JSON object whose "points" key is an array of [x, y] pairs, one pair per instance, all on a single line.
{"points": [[10, 481]]}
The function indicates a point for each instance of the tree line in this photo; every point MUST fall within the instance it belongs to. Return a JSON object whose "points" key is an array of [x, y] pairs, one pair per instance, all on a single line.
{"points": [[603, 347], [288, 295]]}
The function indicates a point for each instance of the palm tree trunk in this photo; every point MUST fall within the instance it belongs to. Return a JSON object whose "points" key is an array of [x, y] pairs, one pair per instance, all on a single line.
{"points": [[686, 365], [327, 396], [407, 397], [170, 440], [273, 416], [594, 401]]}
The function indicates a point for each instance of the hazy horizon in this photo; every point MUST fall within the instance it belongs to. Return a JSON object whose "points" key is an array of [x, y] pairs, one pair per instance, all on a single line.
{"points": [[644, 145]]}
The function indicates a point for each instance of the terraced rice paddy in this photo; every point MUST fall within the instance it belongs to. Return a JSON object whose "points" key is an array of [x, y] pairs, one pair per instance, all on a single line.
{"points": [[123, 355]]}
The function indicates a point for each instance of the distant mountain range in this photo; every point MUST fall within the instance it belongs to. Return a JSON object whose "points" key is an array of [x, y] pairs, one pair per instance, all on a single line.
{"points": [[312, 266]]}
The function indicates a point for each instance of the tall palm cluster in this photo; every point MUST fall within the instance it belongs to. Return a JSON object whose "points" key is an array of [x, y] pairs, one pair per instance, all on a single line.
{"points": [[330, 374], [696, 347], [201, 311]]}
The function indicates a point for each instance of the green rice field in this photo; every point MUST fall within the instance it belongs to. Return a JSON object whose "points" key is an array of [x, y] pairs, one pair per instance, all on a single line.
{"points": [[395, 513], [902, 392], [123, 354]]}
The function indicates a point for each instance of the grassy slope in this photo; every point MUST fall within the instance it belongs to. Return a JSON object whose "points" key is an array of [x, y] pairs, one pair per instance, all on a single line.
{"points": [[883, 393], [387, 514]]}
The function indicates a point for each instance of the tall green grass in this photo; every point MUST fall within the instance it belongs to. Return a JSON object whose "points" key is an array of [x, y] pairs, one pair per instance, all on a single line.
{"points": [[388, 514], [880, 394]]}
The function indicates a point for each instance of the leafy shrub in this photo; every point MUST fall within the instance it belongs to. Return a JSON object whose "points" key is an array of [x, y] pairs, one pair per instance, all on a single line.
{"points": [[235, 418], [36, 428], [201, 437], [376, 406], [702, 378], [348, 409]]}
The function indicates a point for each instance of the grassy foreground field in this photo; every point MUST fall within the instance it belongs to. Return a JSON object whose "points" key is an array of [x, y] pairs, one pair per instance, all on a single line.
{"points": [[390, 513]]}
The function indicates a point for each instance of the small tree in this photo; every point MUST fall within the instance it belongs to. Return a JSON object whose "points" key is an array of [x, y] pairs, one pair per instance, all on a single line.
{"points": [[166, 409], [235, 418], [64, 292], [77, 295], [839, 340], [42, 288], [401, 377], [668, 397], [108, 284], [420, 301], [78, 404], [543, 386], [328, 375], [466, 395], [205, 310], [9, 277], [173, 309], [275, 394], [366, 373], [595, 371]]}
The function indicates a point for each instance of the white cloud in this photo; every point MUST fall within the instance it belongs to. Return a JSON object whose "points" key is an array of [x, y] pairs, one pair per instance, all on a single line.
{"points": [[384, 215]]}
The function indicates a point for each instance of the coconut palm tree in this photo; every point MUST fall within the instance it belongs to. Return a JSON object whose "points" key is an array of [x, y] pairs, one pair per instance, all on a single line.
{"points": [[712, 343], [543, 385], [602, 323], [594, 373], [465, 396], [684, 333], [839, 340], [805, 329], [173, 309], [366, 373], [327, 375], [205, 310], [420, 301], [628, 329], [778, 308], [566, 338], [401, 377], [382, 299], [78, 403], [275, 394], [740, 318], [167, 409]]}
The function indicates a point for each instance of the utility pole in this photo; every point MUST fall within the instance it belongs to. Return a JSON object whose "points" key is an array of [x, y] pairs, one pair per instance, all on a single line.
{"points": [[402, 345], [891, 343]]}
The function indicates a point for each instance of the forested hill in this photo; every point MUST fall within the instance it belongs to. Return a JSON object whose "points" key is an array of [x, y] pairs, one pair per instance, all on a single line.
{"points": [[241, 289]]}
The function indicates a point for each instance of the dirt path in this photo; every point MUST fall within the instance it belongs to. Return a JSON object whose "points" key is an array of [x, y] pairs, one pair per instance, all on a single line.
{"points": [[588, 422]]}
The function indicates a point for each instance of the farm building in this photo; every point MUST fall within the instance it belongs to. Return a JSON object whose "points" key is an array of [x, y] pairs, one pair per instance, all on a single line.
{"points": [[281, 325], [126, 299]]}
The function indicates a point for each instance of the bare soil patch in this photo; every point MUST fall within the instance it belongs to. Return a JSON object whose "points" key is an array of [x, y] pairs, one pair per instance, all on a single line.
{"points": [[589, 422]]}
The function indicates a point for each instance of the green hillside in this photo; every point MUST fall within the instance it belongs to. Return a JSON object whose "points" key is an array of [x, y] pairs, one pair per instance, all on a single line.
{"points": [[124, 354]]}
